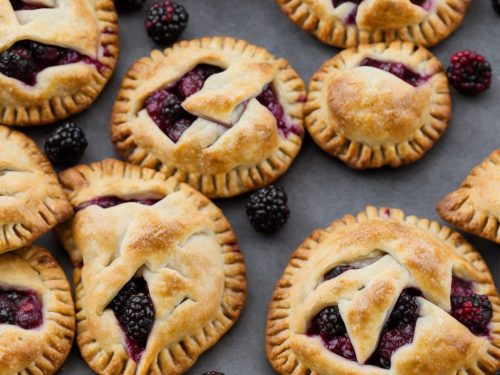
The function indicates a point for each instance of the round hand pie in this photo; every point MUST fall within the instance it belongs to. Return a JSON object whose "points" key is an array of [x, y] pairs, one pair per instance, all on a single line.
{"points": [[218, 113], [31, 200], [158, 270], [384, 293], [37, 314], [347, 23], [379, 104], [55, 57], [475, 206]]}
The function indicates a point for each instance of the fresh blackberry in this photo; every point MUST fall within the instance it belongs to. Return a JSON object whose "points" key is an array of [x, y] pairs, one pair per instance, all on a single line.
{"points": [[267, 209], [138, 316], [337, 271], [171, 108], [166, 20], [17, 63], [66, 145], [469, 72], [496, 6], [474, 312], [119, 301], [7, 311], [330, 323], [127, 5], [406, 310]]}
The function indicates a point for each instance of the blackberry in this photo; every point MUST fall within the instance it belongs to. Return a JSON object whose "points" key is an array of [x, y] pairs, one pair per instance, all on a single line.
{"points": [[66, 145], [267, 209], [46, 55], [119, 301], [7, 311], [330, 323], [474, 312], [166, 20], [127, 5], [17, 63], [342, 346], [406, 310], [337, 271], [190, 84], [391, 341], [469, 72], [496, 6], [171, 108], [138, 316]]}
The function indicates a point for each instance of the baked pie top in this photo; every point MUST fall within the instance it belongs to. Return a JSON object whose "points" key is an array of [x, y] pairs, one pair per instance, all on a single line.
{"points": [[55, 57], [379, 104], [475, 206], [346, 23], [140, 236], [31, 199], [382, 293], [37, 317], [218, 113]]}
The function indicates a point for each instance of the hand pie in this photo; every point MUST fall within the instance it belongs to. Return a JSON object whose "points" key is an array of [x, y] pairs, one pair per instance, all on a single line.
{"points": [[384, 293], [347, 23], [55, 57], [158, 270], [31, 200], [475, 206], [379, 105], [218, 113], [37, 314]]}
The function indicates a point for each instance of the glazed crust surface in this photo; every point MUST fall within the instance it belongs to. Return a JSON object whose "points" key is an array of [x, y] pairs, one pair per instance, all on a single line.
{"points": [[475, 206], [183, 247], [31, 200], [394, 252], [369, 118], [42, 350], [235, 145], [89, 27], [377, 20]]}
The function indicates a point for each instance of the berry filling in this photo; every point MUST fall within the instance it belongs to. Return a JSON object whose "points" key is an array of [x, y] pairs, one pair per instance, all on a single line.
{"points": [[20, 308], [397, 69], [25, 59], [21, 5], [107, 202], [133, 307], [337, 271], [164, 106]]}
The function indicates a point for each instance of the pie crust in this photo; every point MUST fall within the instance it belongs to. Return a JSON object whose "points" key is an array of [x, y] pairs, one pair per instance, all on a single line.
{"points": [[377, 20], [208, 277], [370, 118], [42, 350], [88, 27], [401, 251], [220, 161], [31, 200], [475, 206]]}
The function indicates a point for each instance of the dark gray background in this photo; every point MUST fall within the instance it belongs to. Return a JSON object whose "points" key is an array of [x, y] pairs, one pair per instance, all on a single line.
{"points": [[320, 188]]}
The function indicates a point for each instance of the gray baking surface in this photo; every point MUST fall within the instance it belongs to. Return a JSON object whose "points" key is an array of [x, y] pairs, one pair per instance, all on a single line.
{"points": [[320, 188]]}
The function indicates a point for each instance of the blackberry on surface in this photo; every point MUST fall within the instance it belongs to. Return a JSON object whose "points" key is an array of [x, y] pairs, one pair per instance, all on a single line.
{"points": [[337, 271], [474, 312], [330, 323], [267, 208], [127, 5], [470, 72], [166, 20], [138, 316], [66, 145]]}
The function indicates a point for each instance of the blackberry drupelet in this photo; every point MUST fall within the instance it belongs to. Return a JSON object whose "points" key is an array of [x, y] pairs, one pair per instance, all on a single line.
{"points": [[166, 20], [330, 323], [267, 209], [469, 73], [138, 316], [66, 145], [474, 312]]}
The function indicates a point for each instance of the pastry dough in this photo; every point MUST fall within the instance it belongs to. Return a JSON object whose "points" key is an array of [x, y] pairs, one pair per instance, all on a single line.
{"points": [[86, 26], [31, 199], [42, 350], [182, 246], [368, 117], [475, 206], [349, 24], [235, 144], [392, 252]]}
